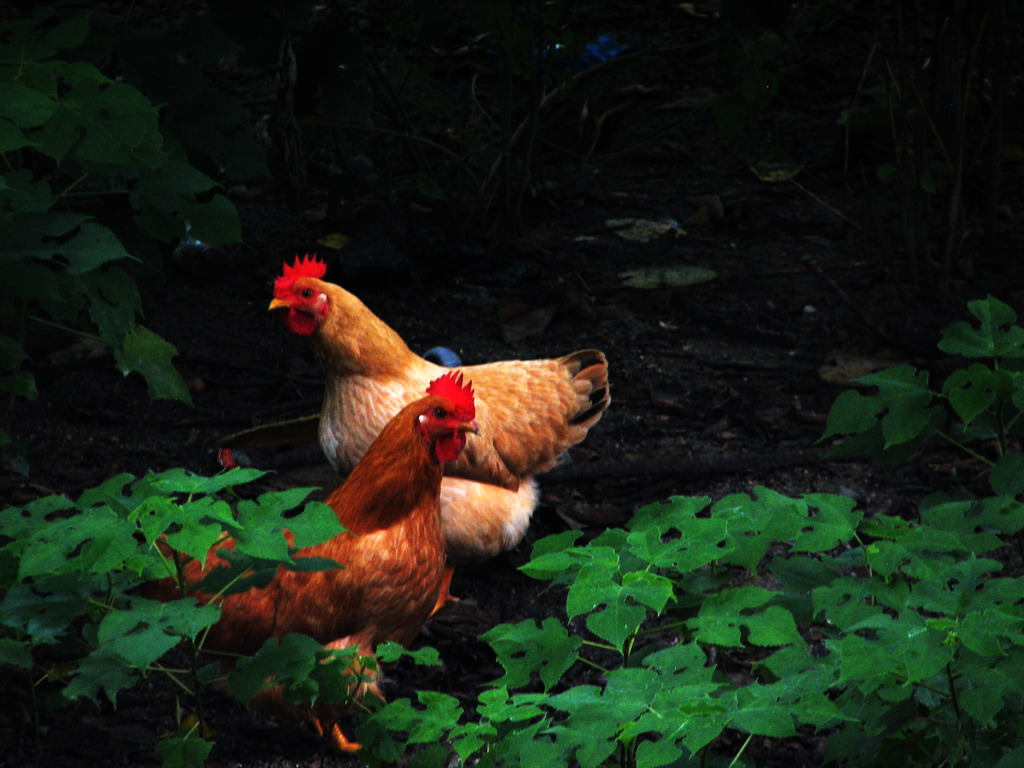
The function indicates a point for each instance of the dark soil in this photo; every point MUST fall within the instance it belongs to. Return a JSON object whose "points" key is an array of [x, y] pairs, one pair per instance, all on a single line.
{"points": [[717, 387]]}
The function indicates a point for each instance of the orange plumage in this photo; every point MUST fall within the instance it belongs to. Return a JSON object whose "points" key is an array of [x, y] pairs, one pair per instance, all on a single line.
{"points": [[393, 554], [529, 411]]}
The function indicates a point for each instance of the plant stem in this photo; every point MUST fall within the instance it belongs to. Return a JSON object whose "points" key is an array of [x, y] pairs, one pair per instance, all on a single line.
{"points": [[742, 750], [594, 664], [970, 451], [954, 697], [69, 330]]}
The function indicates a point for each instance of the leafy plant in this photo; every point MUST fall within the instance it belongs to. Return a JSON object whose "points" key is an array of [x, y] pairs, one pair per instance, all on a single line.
{"points": [[978, 408], [70, 612], [93, 181], [758, 616]]}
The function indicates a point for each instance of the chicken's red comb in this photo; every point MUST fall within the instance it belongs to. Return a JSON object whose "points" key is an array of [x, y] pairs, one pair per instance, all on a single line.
{"points": [[310, 266], [450, 385]]}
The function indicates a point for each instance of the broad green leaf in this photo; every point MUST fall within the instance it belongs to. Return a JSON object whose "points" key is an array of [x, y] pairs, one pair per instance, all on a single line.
{"points": [[142, 633], [723, 614], [904, 391], [47, 606], [972, 390], [188, 750], [288, 659], [14, 653], [618, 620], [11, 353], [991, 632], [114, 302], [94, 541], [852, 413], [20, 384], [316, 524], [830, 521], [1007, 476], [984, 690], [760, 711], [846, 602], [526, 647], [166, 205], [669, 535], [24, 106], [388, 652], [11, 138], [102, 671], [119, 124], [180, 480], [145, 352], [214, 220], [996, 336], [497, 706]]}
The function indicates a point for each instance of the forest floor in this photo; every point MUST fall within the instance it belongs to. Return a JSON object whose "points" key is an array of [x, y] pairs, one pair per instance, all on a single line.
{"points": [[717, 387]]}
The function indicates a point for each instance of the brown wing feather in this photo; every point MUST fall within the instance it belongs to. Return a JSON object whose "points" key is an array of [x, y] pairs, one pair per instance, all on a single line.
{"points": [[530, 412]]}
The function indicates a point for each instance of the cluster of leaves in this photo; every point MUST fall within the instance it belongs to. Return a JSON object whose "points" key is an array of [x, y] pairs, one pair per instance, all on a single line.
{"points": [[979, 408], [903, 647], [97, 176], [904, 644], [898, 640], [70, 611]]}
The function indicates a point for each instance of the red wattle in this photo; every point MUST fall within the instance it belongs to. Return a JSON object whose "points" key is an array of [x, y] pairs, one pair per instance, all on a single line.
{"points": [[302, 323]]}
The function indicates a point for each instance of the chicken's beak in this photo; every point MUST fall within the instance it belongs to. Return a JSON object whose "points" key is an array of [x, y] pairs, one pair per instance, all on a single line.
{"points": [[468, 426], [278, 304]]}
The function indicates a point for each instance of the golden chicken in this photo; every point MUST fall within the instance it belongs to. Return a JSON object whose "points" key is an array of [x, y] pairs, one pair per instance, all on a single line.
{"points": [[529, 411]]}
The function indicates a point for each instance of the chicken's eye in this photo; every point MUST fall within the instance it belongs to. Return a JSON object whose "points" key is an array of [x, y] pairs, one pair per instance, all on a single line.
{"points": [[307, 293], [440, 413]]}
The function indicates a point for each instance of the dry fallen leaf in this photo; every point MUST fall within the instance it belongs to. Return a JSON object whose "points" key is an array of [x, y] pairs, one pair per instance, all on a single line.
{"points": [[335, 240], [775, 172], [527, 324], [653, 278], [845, 365], [644, 230]]}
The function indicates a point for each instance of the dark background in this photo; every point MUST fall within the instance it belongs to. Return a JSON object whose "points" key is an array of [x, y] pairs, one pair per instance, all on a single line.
{"points": [[849, 171]]}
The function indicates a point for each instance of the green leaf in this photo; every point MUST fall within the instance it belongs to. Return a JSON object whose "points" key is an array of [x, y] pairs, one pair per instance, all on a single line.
{"points": [[47, 606], [15, 653], [852, 413], [26, 107], [991, 338], [723, 614], [72, 238], [289, 659], [761, 712], [832, 520], [186, 750], [146, 353], [20, 384], [525, 648], [972, 390], [179, 480], [142, 633], [388, 652], [94, 541], [11, 138], [1007, 476], [114, 302], [102, 671], [165, 201]]}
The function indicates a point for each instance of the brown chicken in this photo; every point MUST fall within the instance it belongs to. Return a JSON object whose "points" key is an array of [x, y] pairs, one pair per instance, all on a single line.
{"points": [[393, 557], [529, 411]]}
